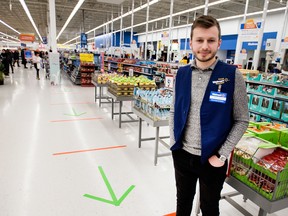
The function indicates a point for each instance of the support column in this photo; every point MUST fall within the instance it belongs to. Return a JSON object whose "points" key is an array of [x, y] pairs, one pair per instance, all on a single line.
{"points": [[239, 39], [257, 52], [54, 56], [52, 28], [281, 33], [170, 32], [147, 20]]}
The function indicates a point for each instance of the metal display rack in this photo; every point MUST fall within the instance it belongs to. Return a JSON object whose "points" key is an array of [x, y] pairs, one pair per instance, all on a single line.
{"points": [[101, 96], [120, 99], [157, 137]]}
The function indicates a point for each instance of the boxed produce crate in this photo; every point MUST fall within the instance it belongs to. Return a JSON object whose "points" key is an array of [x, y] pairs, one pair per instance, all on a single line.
{"points": [[269, 174], [243, 154], [265, 133], [283, 140]]}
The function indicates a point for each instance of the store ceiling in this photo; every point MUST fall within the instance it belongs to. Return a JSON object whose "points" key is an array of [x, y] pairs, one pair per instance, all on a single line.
{"points": [[96, 12]]}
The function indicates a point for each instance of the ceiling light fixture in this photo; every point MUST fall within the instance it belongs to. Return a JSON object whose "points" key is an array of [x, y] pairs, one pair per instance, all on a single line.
{"points": [[30, 17], [8, 40], [221, 19], [78, 5], [117, 18], [9, 36], [251, 14], [9, 26]]}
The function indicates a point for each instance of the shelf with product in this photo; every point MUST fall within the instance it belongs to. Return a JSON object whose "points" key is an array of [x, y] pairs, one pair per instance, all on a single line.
{"points": [[75, 74], [97, 62], [153, 106], [113, 64], [87, 69], [268, 97]]}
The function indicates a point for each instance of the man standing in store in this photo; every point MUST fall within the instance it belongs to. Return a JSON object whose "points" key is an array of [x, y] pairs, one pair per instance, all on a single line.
{"points": [[208, 117]]}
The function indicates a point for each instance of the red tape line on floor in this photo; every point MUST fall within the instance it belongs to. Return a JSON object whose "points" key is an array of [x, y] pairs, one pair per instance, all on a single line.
{"points": [[83, 119], [88, 150]]}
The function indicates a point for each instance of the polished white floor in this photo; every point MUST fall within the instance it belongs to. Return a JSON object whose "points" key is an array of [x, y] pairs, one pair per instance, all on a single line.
{"points": [[45, 169]]}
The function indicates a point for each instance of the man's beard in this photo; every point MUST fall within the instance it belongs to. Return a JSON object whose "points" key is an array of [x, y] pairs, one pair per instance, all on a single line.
{"points": [[213, 54]]}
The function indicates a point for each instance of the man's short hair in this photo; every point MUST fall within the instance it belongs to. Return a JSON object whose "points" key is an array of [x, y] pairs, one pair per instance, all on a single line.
{"points": [[206, 22]]}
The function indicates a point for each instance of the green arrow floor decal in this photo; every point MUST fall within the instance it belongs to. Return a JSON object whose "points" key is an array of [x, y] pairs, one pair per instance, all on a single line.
{"points": [[114, 200], [75, 114]]}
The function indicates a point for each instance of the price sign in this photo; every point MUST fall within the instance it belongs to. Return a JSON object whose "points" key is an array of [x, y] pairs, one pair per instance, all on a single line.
{"points": [[169, 81], [131, 72]]}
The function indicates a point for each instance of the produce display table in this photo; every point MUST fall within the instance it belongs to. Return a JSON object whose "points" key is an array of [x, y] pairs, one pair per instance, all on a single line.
{"points": [[101, 97], [157, 138], [120, 99]]}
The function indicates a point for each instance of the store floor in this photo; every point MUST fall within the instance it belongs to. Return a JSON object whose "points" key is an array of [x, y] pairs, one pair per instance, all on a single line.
{"points": [[62, 155]]}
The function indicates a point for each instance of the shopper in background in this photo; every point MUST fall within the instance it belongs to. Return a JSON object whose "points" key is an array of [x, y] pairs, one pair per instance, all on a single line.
{"points": [[16, 58], [185, 57], [24, 61], [5, 62], [208, 117], [9, 56], [36, 60]]}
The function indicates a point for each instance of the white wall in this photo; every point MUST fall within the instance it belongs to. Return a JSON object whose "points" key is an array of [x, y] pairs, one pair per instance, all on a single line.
{"points": [[273, 23], [221, 54]]}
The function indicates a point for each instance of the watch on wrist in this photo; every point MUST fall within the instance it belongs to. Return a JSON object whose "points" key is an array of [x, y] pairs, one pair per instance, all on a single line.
{"points": [[222, 158]]}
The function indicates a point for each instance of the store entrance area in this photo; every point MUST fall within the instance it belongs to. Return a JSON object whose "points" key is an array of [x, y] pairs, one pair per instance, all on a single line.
{"points": [[62, 155]]}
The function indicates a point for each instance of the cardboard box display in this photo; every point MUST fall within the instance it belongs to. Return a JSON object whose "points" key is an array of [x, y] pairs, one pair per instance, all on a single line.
{"points": [[265, 105], [284, 115], [249, 96], [254, 88], [269, 90], [255, 103], [254, 77], [269, 78], [276, 108], [254, 117]]}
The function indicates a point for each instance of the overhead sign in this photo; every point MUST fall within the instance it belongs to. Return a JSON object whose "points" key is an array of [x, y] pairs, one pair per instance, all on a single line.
{"points": [[86, 57], [165, 38], [284, 43], [270, 44], [28, 54], [83, 40], [250, 30], [44, 39], [27, 37]]}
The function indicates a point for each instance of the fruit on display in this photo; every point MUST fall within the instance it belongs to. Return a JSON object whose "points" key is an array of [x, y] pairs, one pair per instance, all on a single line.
{"points": [[122, 85], [103, 78]]}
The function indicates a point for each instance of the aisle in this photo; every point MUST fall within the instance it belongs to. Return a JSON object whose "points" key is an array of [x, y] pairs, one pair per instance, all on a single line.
{"points": [[62, 155]]}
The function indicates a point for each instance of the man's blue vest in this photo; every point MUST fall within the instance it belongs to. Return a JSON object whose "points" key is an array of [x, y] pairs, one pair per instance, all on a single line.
{"points": [[216, 118]]}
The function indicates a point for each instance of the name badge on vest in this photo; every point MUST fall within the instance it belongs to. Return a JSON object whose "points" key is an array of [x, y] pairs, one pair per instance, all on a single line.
{"points": [[218, 97]]}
